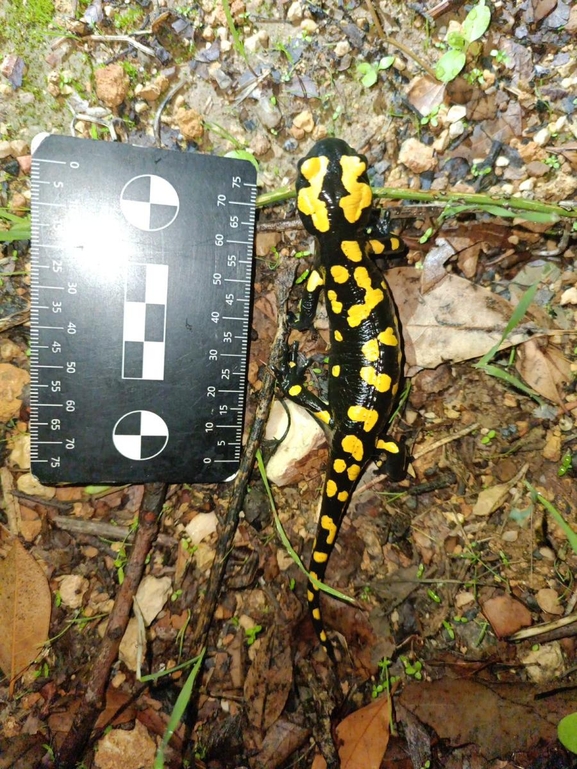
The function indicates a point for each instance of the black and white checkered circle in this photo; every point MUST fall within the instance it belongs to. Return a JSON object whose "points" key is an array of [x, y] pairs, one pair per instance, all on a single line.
{"points": [[149, 202], [140, 435]]}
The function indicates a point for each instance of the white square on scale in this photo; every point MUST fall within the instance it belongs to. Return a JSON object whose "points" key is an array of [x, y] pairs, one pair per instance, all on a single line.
{"points": [[156, 283]]}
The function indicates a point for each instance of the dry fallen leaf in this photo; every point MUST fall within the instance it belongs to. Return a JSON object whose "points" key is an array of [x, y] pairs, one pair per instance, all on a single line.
{"points": [[492, 717], [269, 679], [25, 605], [491, 499], [454, 321], [506, 615], [543, 369], [364, 735]]}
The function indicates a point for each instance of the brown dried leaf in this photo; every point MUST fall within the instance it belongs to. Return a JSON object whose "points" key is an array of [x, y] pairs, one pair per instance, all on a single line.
{"points": [[25, 605], [454, 321], [506, 615], [365, 735], [543, 369], [491, 499], [269, 680], [282, 740], [425, 94], [463, 712]]}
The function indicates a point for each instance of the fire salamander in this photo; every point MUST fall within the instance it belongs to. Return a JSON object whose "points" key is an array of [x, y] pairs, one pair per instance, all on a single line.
{"points": [[334, 201]]}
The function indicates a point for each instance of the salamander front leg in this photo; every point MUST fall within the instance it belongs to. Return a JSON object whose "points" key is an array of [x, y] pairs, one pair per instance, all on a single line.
{"points": [[291, 380], [379, 237]]}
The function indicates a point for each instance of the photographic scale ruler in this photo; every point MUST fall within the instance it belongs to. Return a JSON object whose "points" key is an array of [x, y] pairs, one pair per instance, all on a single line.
{"points": [[141, 277]]}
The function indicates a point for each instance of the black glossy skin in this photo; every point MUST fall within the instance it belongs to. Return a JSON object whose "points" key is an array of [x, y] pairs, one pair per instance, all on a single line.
{"points": [[365, 361]]}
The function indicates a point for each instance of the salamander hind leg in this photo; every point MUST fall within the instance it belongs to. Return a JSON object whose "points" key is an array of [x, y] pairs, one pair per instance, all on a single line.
{"points": [[393, 458]]}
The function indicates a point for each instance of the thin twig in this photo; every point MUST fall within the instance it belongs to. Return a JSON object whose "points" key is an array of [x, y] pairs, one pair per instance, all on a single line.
{"points": [[121, 39], [92, 702]]}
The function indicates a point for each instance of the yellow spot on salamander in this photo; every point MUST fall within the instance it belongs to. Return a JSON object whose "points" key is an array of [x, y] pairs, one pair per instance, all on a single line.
{"points": [[323, 637], [339, 465], [353, 446], [295, 390], [319, 557], [370, 350], [342, 496], [353, 472], [340, 273], [388, 337], [331, 488], [360, 196], [389, 446], [336, 370], [330, 526], [352, 250], [313, 575], [395, 244], [335, 304], [315, 280], [381, 382], [376, 246], [361, 414], [324, 416], [373, 296], [310, 595], [317, 614], [308, 202], [338, 336]]}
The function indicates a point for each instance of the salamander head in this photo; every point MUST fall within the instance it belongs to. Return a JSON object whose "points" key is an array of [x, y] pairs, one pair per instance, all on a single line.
{"points": [[333, 191]]}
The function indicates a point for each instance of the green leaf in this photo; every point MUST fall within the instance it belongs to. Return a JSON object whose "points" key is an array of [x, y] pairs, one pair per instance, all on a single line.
{"points": [[243, 155], [477, 22], [559, 520], [386, 62], [368, 74], [457, 41], [449, 65], [567, 732], [516, 317], [541, 217]]}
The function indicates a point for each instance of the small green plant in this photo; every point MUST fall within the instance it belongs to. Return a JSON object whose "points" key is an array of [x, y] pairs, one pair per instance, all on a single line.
{"points": [[487, 439], [412, 669], [368, 73], [236, 39], [128, 19], [365, 593], [19, 227], [566, 464], [449, 629], [475, 25], [479, 171], [251, 634], [553, 162], [497, 371], [385, 680], [431, 117], [500, 57]]}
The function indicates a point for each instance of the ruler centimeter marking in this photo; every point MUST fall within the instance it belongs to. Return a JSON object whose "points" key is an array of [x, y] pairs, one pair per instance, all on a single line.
{"points": [[138, 257]]}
